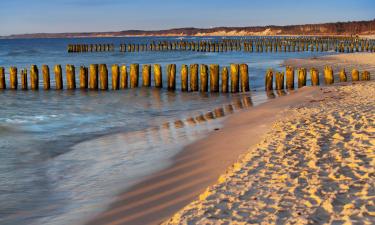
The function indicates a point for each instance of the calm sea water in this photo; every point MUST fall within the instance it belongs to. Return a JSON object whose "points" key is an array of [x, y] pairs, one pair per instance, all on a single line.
{"points": [[65, 155]]}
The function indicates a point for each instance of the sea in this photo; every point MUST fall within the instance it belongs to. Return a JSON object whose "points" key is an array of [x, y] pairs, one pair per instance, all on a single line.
{"points": [[65, 155]]}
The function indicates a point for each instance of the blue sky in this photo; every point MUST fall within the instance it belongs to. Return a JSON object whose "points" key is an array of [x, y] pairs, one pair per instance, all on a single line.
{"points": [[32, 16]]}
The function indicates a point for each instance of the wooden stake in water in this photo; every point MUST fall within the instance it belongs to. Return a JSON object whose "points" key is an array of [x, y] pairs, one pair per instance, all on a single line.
{"points": [[58, 77], [70, 77], [289, 77], [123, 77], [184, 78], [224, 80], [134, 75], [366, 75], [158, 76], [234, 78], [46, 77], [83, 77], [269, 80], [146, 75], [328, 75], [302, 77], [279, 80], [355, 75], [24, 79], [214, 78], [194, 80], [103, 77], [13, 78], [244, 76], [314, 73], [2, 78], [93, 77], [115, 77], [203, 78], [342, 75], [34, 77], [171, 77]]}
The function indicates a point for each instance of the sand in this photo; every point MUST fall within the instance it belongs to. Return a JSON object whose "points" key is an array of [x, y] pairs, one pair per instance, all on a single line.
{"points": [[316, 165]]}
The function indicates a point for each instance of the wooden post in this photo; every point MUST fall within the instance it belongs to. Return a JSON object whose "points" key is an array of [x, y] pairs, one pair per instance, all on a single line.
{"points": [[93, 79], [13, 78], [366, 75], [158, 76], [34, 77], [224, 80], [279, 80], [314, 73], [58, 77], [328, 75], [171, 75], [269, 80], [46, 77], [103, 77], [244, 76], [83, 77], [301, 77], [355, 75], [342, 75], [194, 79], [123, 77], [184, 78], [203, 78], [70, 77], [234, 78], [2, 78], [214, 78], [146, 75], [134, 75], [115, 77], [24, 79], [289, 77]]}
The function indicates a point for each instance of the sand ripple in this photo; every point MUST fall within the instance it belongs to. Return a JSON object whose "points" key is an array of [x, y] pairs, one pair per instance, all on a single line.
{"points": [[316, 166]]}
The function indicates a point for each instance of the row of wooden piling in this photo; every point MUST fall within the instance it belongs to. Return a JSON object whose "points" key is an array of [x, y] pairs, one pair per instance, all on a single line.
{"points": [[328, 77], [91, 48], [195, 77]]}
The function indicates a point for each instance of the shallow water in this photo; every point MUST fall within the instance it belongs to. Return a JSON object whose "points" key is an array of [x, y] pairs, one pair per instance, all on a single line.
{"points": [[65, 154]]}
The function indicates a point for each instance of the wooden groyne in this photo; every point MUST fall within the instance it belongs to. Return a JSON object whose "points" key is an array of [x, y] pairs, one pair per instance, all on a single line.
{"points": [[247, 44], [203, 78]]}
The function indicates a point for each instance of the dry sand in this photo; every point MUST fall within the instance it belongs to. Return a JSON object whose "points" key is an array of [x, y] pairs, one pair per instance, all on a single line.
{"points": [[315, 166]]}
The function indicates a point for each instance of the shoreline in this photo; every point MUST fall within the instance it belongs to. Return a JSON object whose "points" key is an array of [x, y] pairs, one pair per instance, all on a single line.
{"points": [[197, 166]]}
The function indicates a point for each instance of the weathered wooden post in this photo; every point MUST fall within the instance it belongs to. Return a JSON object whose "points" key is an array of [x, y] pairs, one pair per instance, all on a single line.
{"points": [[93, 79], [46, 77], [279, 80], [171, 77], [2, 78], [194, 80], [289, 77], [342, 75], [203, 78], [184, 78], [146, 75], [83, 77], [34, 77], [244, 76], [24, 79], [355, 75], [70, 77], [134, 75], [366, 75], [13, 78], [214, 78], [234, 78], [58, 77], [269, 80], [103, 77], [301, 77], [123, 77], [328, 75], [224, 80], [314, 73], [158, 76], [115, 77]]}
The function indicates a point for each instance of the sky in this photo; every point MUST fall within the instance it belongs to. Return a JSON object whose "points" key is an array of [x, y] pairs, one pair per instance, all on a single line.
{"points": [[57, 16]]}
